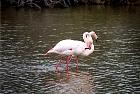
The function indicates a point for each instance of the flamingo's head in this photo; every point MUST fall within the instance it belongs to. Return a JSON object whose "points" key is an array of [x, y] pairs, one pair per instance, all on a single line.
{"points": [[92, 33], [87, 37]]}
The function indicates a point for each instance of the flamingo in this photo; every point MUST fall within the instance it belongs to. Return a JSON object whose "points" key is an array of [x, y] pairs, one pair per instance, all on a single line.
{"points": [[76, 48]]}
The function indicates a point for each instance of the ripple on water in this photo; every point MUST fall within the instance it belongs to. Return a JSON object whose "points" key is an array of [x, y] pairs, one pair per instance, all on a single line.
{"points": [[112, 68]]}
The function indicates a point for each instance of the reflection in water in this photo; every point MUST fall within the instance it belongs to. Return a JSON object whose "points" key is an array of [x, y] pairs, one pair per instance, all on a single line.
{"points": [[76, 83], [112, 68]]}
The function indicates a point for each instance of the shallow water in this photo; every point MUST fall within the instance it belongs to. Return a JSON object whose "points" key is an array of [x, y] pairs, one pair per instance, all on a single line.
{"points": [[113, 68]]}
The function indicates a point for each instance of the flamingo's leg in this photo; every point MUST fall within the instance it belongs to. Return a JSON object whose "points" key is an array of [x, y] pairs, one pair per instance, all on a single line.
{"points": [[60, 61], [58, 64], [68, 61], [77, 58]]}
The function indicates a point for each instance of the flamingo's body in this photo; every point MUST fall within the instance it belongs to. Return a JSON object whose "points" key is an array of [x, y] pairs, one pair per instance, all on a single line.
{"points": [[74, 47], [71, 47]]}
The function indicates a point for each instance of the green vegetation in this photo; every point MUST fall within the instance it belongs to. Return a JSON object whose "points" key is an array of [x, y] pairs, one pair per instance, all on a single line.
{"points": [[64, 3]]}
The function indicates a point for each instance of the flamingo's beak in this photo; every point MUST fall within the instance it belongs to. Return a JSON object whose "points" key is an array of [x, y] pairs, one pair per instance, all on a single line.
{"points": [[92, 33], [96, 40]]}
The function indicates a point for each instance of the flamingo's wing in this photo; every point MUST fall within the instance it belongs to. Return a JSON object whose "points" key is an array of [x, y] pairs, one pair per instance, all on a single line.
{"points": [[69, 47]]}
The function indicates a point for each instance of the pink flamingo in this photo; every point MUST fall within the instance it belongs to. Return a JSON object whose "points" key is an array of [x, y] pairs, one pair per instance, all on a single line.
{"points": [[76, 48]]}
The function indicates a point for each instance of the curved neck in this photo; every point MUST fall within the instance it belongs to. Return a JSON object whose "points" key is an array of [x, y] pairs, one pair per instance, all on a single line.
{"points": [[88, 51], [89, 45]]}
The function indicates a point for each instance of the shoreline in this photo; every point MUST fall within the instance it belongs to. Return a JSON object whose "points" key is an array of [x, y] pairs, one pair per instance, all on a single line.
{"points": [[65, 3]]}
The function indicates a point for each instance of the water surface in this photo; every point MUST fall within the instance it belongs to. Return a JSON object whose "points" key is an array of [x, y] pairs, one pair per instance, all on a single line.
{"points": [[113, 68]]}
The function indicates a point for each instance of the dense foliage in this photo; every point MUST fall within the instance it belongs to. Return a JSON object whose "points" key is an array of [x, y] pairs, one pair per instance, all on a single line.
{"points": [[65, 3]]}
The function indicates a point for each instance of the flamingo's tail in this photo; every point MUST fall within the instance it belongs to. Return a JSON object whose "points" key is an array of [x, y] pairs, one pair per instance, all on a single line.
{"points": [[49, 51]]}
